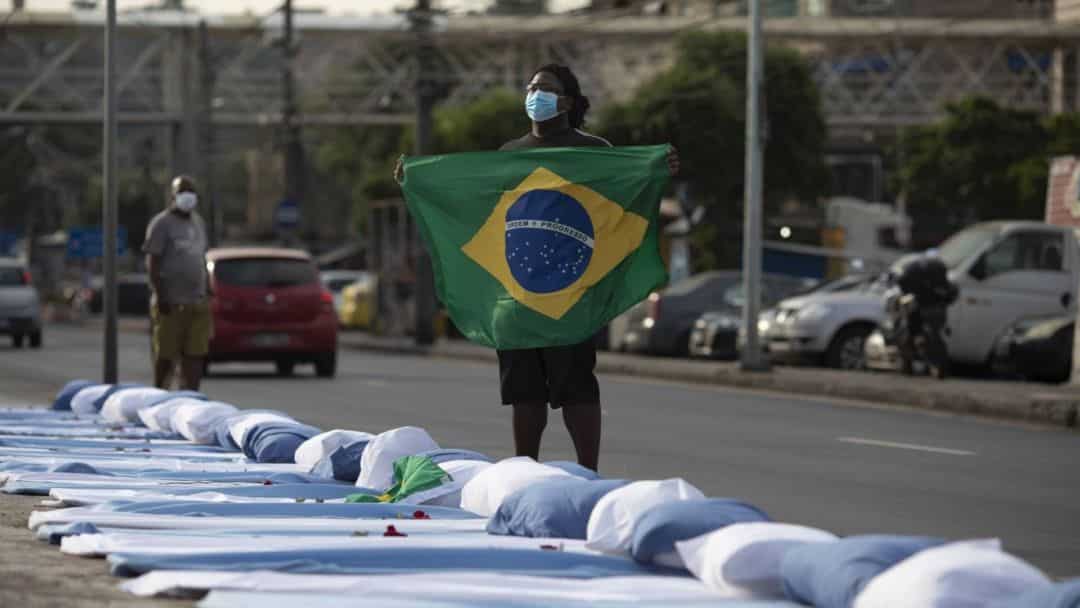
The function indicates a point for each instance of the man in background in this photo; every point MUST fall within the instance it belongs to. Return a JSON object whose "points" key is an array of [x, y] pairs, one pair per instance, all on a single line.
{"points": [[175, 249]]}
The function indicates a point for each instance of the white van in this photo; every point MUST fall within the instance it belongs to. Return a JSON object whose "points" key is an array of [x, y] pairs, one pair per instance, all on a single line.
{"points": [[1007, 271]]}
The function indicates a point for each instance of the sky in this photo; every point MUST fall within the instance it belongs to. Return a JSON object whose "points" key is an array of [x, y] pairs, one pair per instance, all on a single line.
{"points": [[265, 6]]}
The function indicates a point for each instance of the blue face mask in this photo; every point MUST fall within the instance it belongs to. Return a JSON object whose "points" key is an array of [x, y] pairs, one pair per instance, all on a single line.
{"points": [[542, 105]]}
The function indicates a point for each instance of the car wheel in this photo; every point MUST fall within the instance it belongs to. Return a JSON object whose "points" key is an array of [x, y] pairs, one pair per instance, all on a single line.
{"points": [[285, 367], [326, 365], [846, 351], [35, 339], [17, 340]]}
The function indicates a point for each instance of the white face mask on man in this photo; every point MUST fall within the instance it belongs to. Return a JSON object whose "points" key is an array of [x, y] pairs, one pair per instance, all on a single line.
{"points": [[186, 201]]}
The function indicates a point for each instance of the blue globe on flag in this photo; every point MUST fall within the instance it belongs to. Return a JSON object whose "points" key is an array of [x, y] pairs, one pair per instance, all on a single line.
{"points": [[549, 240]]}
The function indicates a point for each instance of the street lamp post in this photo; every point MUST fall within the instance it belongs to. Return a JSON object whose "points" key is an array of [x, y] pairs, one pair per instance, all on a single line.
{"points": [[109, 211], [751, 358]]}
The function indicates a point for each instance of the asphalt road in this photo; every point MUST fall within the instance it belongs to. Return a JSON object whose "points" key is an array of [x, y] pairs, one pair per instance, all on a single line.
{"points": [[848, 468]]}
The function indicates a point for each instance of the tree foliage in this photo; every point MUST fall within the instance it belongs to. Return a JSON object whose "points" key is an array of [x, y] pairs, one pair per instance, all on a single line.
{"points": [[981, 162], [699, 105], [363, 158]]}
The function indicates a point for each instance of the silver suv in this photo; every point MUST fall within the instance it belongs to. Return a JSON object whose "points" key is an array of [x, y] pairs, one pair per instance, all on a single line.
{"points": [[20, 309]]}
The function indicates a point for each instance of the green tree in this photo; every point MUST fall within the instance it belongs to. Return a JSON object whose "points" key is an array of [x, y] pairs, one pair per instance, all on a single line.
{"points": [[981, 162], [699, 105], [15, 179], [362, 159], [485, 124]]}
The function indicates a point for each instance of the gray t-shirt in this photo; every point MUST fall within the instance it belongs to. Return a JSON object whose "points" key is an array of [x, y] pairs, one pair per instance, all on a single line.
{"points": [[180, 242]]}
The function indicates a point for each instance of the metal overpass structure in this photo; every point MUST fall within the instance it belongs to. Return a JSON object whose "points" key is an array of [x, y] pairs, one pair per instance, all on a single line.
{"points": [[182, 76]]}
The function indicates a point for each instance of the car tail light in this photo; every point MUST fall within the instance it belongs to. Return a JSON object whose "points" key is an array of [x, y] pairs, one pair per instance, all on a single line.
{"points": [[327, 300], [26, 278]]}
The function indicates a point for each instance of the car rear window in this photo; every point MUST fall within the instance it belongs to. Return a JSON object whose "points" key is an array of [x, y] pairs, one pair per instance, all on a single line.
{"points": [[12, 276], [265, 272]]}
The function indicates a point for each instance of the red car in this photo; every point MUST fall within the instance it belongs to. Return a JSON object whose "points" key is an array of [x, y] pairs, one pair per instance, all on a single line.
{"points": [[269, 305]]}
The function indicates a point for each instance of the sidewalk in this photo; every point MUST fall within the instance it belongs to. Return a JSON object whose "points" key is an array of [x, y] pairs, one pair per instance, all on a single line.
{"points": [[1045, 404]]}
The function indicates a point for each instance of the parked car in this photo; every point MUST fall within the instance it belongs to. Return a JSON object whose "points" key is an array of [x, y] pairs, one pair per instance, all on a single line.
{"points": [[662, 324], [335, 281], [1007, 271], [826, 327], [132, 294], [716, 334], [1036, 349], [269, 305], [767, 318], [20, 308], [360, 304]]}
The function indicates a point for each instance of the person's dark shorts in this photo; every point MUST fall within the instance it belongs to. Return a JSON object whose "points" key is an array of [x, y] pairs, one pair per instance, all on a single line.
{"points": [[558, 375]]}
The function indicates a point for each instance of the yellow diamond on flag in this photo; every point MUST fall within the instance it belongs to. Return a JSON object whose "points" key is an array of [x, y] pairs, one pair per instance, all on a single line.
{"points": [[549, 240]]}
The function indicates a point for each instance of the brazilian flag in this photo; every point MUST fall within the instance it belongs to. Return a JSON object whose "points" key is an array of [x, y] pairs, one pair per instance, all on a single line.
{"points": [[540, 247]]}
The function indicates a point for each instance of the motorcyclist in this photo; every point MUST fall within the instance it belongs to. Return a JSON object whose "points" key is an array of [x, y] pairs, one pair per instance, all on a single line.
{"points": [[922, 326]]}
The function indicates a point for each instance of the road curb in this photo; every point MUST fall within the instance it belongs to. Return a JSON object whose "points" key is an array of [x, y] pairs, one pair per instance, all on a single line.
{"points": [[1055, 410]]}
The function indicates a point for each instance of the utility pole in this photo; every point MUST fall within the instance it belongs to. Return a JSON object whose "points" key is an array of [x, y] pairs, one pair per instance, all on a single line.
{"points": [[206, 71], [752, 359], [294, 151], [420, 17], [108, 162]]}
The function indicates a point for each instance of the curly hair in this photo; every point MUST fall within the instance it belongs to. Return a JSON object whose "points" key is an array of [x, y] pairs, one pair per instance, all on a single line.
{"points": [[572, 89]]}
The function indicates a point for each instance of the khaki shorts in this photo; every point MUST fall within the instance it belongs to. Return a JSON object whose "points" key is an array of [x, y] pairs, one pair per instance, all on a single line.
{"points": [[184, 332]]}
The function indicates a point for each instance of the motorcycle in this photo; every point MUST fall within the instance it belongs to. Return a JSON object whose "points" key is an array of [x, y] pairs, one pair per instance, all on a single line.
{"points": [[918, 331]]}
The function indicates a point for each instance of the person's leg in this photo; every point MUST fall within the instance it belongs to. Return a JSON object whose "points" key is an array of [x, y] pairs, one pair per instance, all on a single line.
{"points": [[530, 419], [165, 345], [583, 423], [522, 385], [163, 371], [197, 325], [574, 388]]}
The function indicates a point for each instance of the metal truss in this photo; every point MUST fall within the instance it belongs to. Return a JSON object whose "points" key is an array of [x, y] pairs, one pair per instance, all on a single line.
{"points": [[868, 78], [873, 75]]}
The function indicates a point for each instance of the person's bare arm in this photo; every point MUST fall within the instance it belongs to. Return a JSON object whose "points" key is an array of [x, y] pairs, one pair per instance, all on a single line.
{"points": [[153, 267]]}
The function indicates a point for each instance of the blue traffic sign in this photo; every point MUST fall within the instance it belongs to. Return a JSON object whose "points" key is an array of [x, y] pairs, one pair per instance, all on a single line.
{"points": [[89, 242], [287, 215], [8, 241]]}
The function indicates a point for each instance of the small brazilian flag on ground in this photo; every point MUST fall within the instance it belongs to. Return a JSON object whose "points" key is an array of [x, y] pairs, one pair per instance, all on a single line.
{"points": [[540, 247]]}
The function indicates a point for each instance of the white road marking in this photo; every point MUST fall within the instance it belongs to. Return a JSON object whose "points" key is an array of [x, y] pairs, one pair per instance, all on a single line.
{"points": [[904, 446], [377, 383]]}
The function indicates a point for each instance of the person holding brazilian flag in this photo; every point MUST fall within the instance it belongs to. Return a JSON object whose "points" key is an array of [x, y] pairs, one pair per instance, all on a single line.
{"points": [[539, 245]]}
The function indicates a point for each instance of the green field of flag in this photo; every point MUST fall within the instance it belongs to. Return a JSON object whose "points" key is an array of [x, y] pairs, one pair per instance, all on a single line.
{"points": [[540, 247]]}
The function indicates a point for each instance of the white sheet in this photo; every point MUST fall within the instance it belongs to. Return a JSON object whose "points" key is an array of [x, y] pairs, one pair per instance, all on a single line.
{"points": [[475, 586], [148, 544], [82, 402], [141, 521], [123, 406], [68, 497]]}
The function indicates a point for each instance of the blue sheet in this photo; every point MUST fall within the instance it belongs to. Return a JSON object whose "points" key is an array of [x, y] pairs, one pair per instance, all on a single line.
{"points": [[277, 599], [556, 508], [53, 534], [325, 491], [447, 454], [830, 575], [63, 445], [1065, 594], [342, 464], [276, 441], [62, 402], [574, 469], [346, 510], [659, 528], [41, 487], [384, 560]]}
